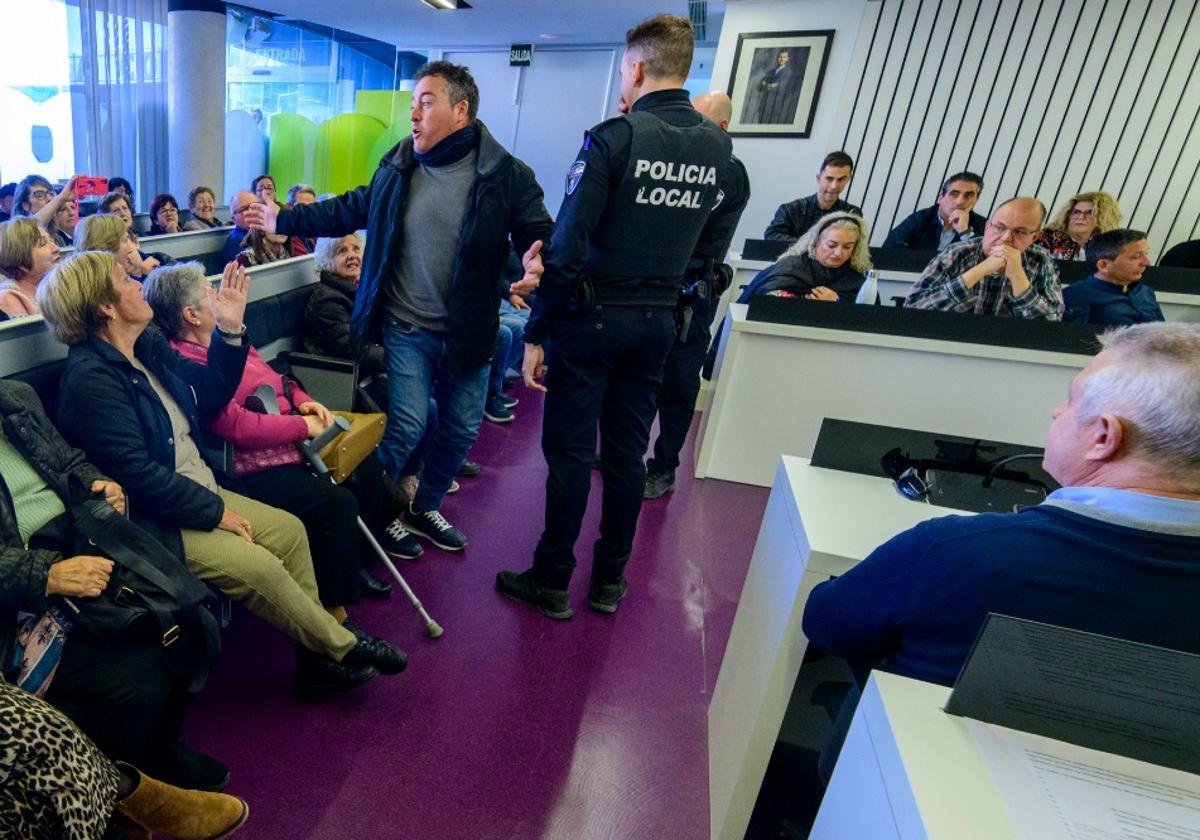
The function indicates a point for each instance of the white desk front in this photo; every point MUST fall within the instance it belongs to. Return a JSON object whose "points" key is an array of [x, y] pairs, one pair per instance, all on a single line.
{"points": [[909, 770], [818, 523], [774, 384]]}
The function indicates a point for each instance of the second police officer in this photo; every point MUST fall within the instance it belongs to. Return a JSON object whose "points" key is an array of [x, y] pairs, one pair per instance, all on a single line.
{"points": [[637, 199]]}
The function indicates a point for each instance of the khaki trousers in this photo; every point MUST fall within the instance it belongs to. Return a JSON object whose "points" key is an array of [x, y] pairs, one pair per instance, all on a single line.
{"points": [[273, 577]]}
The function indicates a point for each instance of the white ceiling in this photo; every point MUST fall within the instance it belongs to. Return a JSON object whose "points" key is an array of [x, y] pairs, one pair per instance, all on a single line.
{"points": [[411, 23]]}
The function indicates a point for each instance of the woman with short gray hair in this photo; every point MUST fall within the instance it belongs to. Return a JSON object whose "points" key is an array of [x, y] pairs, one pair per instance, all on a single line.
{"points": [[267, 465], [151, 399]]}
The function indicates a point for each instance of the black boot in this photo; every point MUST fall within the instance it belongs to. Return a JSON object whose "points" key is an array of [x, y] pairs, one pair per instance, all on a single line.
{"points": [[318, 676], [178, 764], [372, 587], [168, 758], [524, 588], [608, 586]]}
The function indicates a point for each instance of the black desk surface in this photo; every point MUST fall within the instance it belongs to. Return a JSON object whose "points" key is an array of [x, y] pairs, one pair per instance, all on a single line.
{"points": [[1036, 334], [859, 447], [1159, 278]]}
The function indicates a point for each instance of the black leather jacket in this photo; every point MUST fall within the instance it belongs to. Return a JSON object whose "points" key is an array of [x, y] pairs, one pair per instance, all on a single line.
{"points": [[23, 572]]}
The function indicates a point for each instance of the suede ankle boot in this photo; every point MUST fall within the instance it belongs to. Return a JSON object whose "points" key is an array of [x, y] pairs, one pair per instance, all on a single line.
{"points": [[155, 807]]}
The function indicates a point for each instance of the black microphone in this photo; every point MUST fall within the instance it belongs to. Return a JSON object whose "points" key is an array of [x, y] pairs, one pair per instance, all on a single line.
{"points": [[991, 474]]}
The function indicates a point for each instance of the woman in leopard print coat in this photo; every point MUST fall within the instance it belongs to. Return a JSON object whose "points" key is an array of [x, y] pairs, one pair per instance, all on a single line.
{"points": [[56, 785]]}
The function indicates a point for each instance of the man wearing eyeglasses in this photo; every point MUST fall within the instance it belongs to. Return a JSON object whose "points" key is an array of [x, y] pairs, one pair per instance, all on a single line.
{"points": [[237, 237], [1000, 274]]}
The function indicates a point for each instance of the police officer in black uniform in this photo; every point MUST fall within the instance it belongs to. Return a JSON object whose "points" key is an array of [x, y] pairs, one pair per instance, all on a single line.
{"points": [[706, 280], [637, 199]]}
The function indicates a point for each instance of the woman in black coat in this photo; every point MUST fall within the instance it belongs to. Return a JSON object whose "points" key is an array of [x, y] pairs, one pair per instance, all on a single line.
{"points": [[119, 691], [828, 263], [152, 400]]}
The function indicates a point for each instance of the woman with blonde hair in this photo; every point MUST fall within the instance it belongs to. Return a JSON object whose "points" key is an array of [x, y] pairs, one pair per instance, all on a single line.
{"points": [[108, 232], [27, 253], [151, 442], [829, 262], [1081, 218]]}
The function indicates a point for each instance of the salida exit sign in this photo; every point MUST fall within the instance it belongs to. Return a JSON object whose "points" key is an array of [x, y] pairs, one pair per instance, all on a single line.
{"points": [[520, 55]]}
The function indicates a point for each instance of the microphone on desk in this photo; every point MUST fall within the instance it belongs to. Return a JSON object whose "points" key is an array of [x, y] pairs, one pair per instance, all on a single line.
{"points": [[998, 465]]}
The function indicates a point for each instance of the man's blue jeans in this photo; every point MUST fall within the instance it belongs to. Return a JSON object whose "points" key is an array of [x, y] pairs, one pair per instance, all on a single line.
{"points": [[418, 368], [510, 345]]}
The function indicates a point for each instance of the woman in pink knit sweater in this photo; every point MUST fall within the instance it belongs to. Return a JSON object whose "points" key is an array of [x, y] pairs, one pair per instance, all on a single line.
{"points": [[267, 465]]}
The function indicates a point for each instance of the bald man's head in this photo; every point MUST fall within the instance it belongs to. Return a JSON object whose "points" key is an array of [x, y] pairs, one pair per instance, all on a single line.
{"points": [[716, 105], [240, 202], [1014, 222]]}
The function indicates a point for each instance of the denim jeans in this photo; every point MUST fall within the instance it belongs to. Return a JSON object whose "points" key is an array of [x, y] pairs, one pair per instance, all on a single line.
{"points": [[510, 344], [419, 368]]}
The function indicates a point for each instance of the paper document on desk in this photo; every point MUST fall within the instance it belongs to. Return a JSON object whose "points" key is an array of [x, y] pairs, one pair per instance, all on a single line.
{"points": [[1058, 791]]}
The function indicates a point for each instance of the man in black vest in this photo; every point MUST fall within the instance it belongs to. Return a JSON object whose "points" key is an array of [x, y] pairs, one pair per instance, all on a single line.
{"points": [[706, 280], [637, 198]]}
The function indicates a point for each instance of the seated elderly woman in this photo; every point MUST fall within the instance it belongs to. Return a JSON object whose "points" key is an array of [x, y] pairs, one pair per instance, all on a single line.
{"points": [[107, 232], [119, 689], [55, 211], [27, 253], [58, 784], [62, 226], [828, 263], [164, 215], [119, 204], [267, 465], [1077, 221], [202, 201], [152, 399], [262, 248]]}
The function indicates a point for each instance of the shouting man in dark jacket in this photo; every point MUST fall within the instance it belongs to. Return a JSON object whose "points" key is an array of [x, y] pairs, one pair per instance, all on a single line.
{"points": [[439, 212]]}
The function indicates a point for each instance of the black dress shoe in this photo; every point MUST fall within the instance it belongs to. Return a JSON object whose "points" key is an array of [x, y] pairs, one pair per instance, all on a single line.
{"points": [[372, 587], [318, 676], [178, 764], [469, 469], [383, 656]]}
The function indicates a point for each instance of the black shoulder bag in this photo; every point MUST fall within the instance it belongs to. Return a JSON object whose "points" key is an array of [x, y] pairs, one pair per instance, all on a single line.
{"points": [[149, 595]]}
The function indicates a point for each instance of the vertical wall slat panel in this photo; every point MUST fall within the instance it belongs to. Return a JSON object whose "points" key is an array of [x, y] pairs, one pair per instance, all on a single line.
{"points": [[1043, 97]]}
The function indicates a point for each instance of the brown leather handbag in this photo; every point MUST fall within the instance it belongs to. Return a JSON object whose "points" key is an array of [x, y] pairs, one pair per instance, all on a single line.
{"points": [[345, 452]]}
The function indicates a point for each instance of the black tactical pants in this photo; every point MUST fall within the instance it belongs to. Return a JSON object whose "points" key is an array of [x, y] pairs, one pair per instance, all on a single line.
{"points": [[681, 384], [605, 367]]}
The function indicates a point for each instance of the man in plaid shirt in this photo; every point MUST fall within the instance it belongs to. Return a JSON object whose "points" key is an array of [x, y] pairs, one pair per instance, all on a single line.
{"points": [[1000, 274]]}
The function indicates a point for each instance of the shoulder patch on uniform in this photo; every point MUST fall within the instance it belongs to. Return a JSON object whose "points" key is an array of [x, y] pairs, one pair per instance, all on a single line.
{"points": [[720, 198], [575, 175]]}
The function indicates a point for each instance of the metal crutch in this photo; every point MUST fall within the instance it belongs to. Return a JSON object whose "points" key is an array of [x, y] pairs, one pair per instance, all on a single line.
{"points": [[264, 401]]}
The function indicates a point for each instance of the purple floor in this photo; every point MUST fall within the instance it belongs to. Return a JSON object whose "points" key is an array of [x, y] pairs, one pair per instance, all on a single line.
{"points": [[511, 725]]}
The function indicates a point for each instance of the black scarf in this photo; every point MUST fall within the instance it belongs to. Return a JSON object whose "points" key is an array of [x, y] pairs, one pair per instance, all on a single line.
{"points": [[451, 149]]}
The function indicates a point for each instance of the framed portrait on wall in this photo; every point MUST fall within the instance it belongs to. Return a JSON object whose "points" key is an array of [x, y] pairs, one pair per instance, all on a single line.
{"points": [[775, 82]]}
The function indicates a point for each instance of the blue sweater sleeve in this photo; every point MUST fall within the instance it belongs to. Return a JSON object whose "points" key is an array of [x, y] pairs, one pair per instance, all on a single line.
{"points": [[859, 614]]}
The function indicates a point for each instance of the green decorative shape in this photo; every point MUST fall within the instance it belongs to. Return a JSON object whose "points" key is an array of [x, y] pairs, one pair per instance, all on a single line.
{"points": [[343, 156], [388, 139], [293, 141], [390, 107]]}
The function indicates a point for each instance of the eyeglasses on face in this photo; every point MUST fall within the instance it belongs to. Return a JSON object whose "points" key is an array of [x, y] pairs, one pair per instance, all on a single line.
{"points": [[40, 194], [1083, 214], [1005, 230]]}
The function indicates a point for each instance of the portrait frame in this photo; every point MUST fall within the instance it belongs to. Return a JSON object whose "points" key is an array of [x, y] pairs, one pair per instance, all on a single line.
{"points": [[776, 81]]}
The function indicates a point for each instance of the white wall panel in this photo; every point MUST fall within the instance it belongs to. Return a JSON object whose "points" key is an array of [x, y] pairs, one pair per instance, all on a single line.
{"points": [[1041, 97]]}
